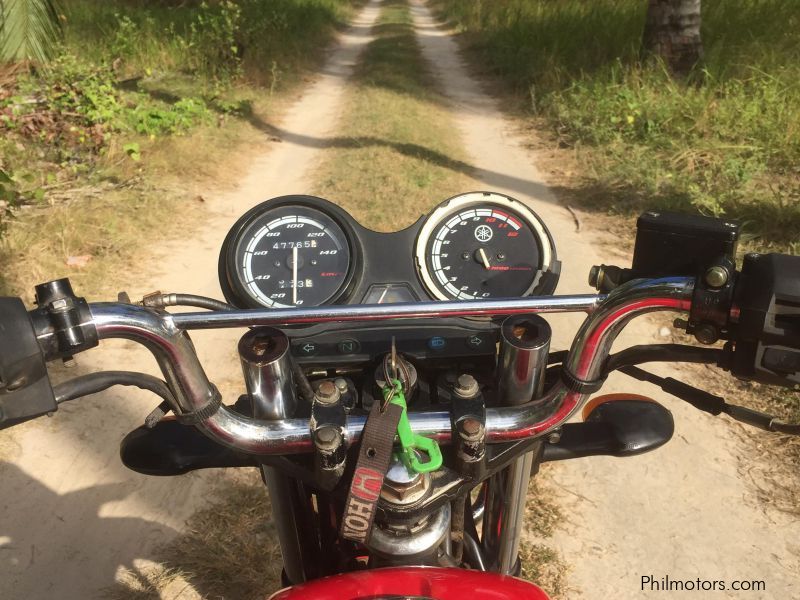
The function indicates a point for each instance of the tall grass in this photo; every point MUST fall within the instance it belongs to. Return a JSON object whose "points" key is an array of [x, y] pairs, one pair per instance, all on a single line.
{"points": [[397, 152], [725, 142], [212, 38], [148, 101]]}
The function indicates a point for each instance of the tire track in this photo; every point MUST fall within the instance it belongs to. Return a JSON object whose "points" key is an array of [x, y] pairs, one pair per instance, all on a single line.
{"points": [[683, 510], [72, 514]]}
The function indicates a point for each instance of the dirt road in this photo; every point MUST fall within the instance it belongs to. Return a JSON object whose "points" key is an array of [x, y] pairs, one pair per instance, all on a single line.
{"points": [[684, 511], [72, 515]]}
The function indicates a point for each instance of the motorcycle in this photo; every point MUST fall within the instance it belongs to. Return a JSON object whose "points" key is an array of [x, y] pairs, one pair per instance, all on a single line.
{"points": [[400, 388]]}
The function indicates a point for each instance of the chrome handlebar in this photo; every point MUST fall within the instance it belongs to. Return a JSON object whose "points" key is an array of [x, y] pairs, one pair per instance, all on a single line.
{"points": [[165, 336]]}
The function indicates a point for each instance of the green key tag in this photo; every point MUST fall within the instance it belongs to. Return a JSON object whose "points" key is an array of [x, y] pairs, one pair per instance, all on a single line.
{"points": [[411, 442]]}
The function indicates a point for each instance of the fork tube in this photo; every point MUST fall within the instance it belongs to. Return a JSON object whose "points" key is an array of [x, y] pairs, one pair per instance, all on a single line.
{"points": [[523, 360], [266, 364]]}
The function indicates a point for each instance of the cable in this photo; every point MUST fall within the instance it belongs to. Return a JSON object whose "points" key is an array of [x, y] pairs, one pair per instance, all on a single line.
{"points": [[163, 300], [303, 385], [712, 404], [474, 552], [93, 383], [662, 353], [786, 428], [558, 357], [201, 302]]}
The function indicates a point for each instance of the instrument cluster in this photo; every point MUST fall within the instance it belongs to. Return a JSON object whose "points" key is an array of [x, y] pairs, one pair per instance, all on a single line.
{"points": [[306, 251]]}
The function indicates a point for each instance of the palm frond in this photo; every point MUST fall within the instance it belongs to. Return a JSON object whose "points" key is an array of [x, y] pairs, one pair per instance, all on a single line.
{"points": [[29, 29]]}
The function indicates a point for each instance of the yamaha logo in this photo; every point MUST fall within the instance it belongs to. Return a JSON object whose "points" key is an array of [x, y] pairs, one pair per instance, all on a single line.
{"points": [[483, 233]]}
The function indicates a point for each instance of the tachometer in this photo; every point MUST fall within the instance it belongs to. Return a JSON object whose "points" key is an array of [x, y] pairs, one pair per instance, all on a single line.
{"points": [[485, 245], [286, 252]]}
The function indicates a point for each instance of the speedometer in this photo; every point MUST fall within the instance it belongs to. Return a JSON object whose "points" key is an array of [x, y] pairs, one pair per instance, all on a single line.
{"points": [[485, 245], [286, 252]]}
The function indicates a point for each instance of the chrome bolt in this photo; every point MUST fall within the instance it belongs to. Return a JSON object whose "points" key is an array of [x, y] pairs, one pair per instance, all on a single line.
{"points": [[327, 393], [340, 384], [466, 386], [327, 437], [717, 276], [402, 486], [554, 437], [470, 429]]}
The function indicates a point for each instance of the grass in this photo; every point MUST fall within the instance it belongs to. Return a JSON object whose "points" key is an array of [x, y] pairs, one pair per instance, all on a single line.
{"points": [[725, 142], [541, 564], [267, 42], [229, 550], [148, 105], [397, 153]]}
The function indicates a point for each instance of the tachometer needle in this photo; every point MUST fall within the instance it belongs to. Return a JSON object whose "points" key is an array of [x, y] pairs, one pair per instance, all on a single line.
{"points": [[484, 258], [294, 274]]}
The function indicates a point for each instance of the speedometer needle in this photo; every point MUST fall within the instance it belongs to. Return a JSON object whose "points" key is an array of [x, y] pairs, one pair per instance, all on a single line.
{"points": [[294, 274], [484, 258]]}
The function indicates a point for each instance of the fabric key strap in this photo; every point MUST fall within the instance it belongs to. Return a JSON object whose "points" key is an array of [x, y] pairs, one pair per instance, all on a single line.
{"points": [[373, 462]]}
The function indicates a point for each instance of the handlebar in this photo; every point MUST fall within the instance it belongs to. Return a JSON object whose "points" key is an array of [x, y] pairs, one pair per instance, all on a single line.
{"points": [[756, 311], [165, 336]]}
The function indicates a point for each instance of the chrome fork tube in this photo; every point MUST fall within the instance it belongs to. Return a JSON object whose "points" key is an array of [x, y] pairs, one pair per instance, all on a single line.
{"points": [[523, 360], [267, 369]]}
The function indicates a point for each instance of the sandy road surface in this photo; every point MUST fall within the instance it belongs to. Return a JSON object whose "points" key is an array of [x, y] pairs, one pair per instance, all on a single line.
{"points": [[682, 511], [71, 515]]}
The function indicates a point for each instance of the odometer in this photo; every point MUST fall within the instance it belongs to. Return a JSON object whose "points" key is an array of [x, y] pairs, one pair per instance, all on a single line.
{"points": [[282, 254], [485, 245]]}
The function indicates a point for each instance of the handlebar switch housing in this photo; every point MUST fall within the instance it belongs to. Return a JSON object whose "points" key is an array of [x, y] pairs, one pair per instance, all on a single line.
{"points": [[25, 389], [63, 321], [767, 341], [709, 317]]}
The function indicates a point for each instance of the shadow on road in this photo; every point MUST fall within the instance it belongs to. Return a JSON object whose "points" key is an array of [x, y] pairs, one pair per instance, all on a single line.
{"points": [[229, 550], [26, 531]]}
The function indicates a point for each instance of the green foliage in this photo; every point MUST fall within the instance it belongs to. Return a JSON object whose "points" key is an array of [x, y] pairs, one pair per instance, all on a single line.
{"points": [[726, 143], [73, 87], [211, 42], [78, 108], [9, 197], [130, 72], [29, 29], [217, 41], [152, 120], [133, 150]]}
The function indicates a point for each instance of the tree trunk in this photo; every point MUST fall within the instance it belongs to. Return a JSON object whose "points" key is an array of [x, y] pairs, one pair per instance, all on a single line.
{"points": [[672, 31]]}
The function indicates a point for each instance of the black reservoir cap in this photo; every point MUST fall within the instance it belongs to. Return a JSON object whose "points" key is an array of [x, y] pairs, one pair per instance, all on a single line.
{"points": [[675, 244]]}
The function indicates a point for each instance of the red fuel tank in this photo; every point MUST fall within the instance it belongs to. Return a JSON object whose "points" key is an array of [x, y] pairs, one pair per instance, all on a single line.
{"points": [[417, 583]]}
